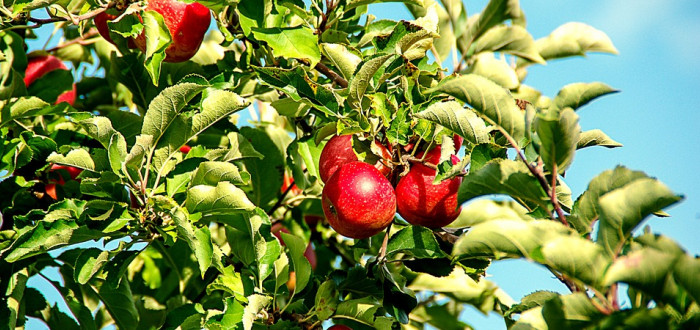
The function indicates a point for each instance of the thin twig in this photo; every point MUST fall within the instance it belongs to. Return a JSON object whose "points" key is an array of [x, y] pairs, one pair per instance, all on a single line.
{"points": [[81, 40], [331, 75], [382, 250], [73, 19], [421, 161], [553, 197]]}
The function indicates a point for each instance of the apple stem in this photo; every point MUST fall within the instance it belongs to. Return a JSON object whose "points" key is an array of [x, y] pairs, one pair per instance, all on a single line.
{"points": [[421, 161]]}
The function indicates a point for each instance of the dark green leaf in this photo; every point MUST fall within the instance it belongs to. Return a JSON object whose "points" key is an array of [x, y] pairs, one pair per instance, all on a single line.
{"points": [[414, 241]]}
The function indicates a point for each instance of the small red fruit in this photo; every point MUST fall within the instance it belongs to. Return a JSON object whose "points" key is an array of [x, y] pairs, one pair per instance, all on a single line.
{"points": [[288, 180], [39, 66], [458, 140], [340, 327], [187, 23], [185, 149], [338, 152], [420, 202], [358, 200], [101, 24], [50, 188]]}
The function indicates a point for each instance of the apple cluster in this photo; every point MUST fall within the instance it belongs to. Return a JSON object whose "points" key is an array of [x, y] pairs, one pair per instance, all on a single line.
{"points": [[359, 200], [186, 22]]}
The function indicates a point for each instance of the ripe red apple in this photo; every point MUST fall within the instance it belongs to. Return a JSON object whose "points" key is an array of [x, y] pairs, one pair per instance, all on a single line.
{"points": [[101, 24], [340, 327], [338, 152], [185, 149], [358, 200], [458, 140], [187, 23], [420, 202], [41, 65], [50, 188]]}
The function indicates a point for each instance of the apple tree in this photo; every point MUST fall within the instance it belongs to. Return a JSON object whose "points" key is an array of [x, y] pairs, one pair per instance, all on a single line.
{"points": [[307, 164]]}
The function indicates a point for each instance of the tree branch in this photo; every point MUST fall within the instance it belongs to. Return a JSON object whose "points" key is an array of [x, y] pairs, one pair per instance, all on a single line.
{"points": [[331, 75]]}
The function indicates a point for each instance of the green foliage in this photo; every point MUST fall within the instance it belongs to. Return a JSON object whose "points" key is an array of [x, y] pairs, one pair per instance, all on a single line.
{"points": [[188, 190]]}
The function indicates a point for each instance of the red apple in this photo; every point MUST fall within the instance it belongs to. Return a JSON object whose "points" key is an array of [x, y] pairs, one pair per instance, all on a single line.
{"points": [[187, 23], [340, 327], [358, 200], [50, 188], [458, 140], [40, 65], [101, 24], [338, 152], [185, 149], [420, 202]]}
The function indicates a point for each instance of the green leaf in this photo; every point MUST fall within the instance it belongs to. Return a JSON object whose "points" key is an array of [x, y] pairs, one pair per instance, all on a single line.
{"points": [[239, 148], [326, 301], [157, 41], [198, 238], [266, 173], [576, 257], [596, 137], [585, 208], [535, 299], [362, 79], [400, 128], [574, 39], [357, 3], [483, 210], [302, 267], [342, 58], [558, 132], [119, 302], [407, 39], [646, 268], [491, 101], [621, 210], [414, 241], [513, 40], [291, 42], [28, 107], [686, 272], [496, 12], [507, 238], [230, 282], [256, 303], [579, 94], [361, 310], [463, 121], [503, 176], [299, 87], [495, 69], [45, 236], [165, 107], [290, 108], [253, 14], [460, 286], [281, 266], [100, 129], [211, 173], [188, 316], [14, 296], [89, 262]]}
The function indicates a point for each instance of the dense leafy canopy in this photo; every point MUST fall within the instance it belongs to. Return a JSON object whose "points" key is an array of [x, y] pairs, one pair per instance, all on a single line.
{"points": [[152, 235]]}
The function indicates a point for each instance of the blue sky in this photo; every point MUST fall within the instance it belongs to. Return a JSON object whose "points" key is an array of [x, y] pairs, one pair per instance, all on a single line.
{"points": [[656, 115]]}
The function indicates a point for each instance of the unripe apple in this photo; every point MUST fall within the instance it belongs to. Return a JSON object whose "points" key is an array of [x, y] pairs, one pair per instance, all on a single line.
{"points": [[338, 152], [187, 23], [41, 65], [420, 202], [101, 24], [358, 200]]}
